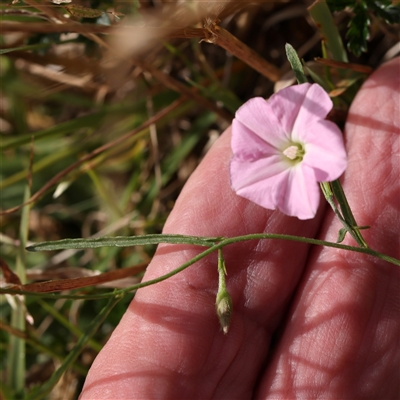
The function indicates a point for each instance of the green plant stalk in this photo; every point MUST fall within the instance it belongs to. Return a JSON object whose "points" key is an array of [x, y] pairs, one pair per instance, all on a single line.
{"points": [[16, 354], [39, 347], [42, 391], [326, 68], [322, 16], [218, 244], [329, 189], [173, 161], [260, 236], [64, 321], [85, 122], [214, 243], [348, 216], [40, 165]]}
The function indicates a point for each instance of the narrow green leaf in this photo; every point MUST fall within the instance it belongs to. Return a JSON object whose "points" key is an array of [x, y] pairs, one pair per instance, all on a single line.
{"points": [[351, 224], [295, 63], [320, 79], [122, 241], [16, 354], [322, 16], [174, 160], [65, 322], [66, 127], [341, 235]]}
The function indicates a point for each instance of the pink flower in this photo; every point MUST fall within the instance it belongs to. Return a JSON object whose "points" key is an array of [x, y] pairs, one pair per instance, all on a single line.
{"points": [[282, 148]]}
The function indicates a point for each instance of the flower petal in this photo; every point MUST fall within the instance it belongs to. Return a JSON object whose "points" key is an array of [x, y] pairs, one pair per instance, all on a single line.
{"points": [[261, 181], [302, 193], [245, 173], [298, 105], [325, 151], [257, 115], [246, 145], [262, 133], [316, 106]]}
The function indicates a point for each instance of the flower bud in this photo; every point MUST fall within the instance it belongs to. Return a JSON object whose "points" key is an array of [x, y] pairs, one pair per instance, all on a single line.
{"points": [[224, 309]]}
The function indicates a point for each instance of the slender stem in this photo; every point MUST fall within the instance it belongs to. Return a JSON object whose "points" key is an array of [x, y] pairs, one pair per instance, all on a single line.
{"points": [[221, 271], [67, 324], [16, 353], [91, 329], [327, 191], [37, 345], [348, 219], [259, 236], [222, 243]]}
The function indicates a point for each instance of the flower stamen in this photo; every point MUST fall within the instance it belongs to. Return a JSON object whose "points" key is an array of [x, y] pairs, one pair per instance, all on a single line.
{"points": [[294, 152]]}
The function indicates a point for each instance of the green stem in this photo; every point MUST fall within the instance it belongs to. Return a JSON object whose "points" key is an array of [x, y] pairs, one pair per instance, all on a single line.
{"points": [[16, 354], [38, 347], [221, 271], [222, 243], [45, 389], [260, 236], [67, 324], [333, 190]]}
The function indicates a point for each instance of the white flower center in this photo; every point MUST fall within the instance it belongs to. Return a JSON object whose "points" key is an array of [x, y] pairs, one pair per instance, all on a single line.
{"points": [[291, 152], [294, 152]]}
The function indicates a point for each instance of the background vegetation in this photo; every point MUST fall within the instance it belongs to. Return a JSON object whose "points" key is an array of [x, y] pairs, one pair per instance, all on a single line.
{"points": [[106, 109]]}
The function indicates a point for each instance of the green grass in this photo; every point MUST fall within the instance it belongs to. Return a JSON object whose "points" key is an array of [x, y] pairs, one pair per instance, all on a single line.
{"points": [[101, 148]]}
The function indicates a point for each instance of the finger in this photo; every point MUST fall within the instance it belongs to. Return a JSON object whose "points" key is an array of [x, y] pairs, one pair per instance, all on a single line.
{"points": [[341, 337], [169, 344]]}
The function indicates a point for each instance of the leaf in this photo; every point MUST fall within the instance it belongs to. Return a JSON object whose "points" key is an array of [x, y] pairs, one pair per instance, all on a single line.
{"points": [[322, 16], [388, 12], [9, 276], [358, 32], [341, 235], [59, 285], [121, 241], [295, 63], [83, 12]]}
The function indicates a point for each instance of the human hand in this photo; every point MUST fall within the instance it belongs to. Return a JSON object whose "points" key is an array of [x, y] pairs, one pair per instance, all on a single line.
{"points": [[308, 322]]}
